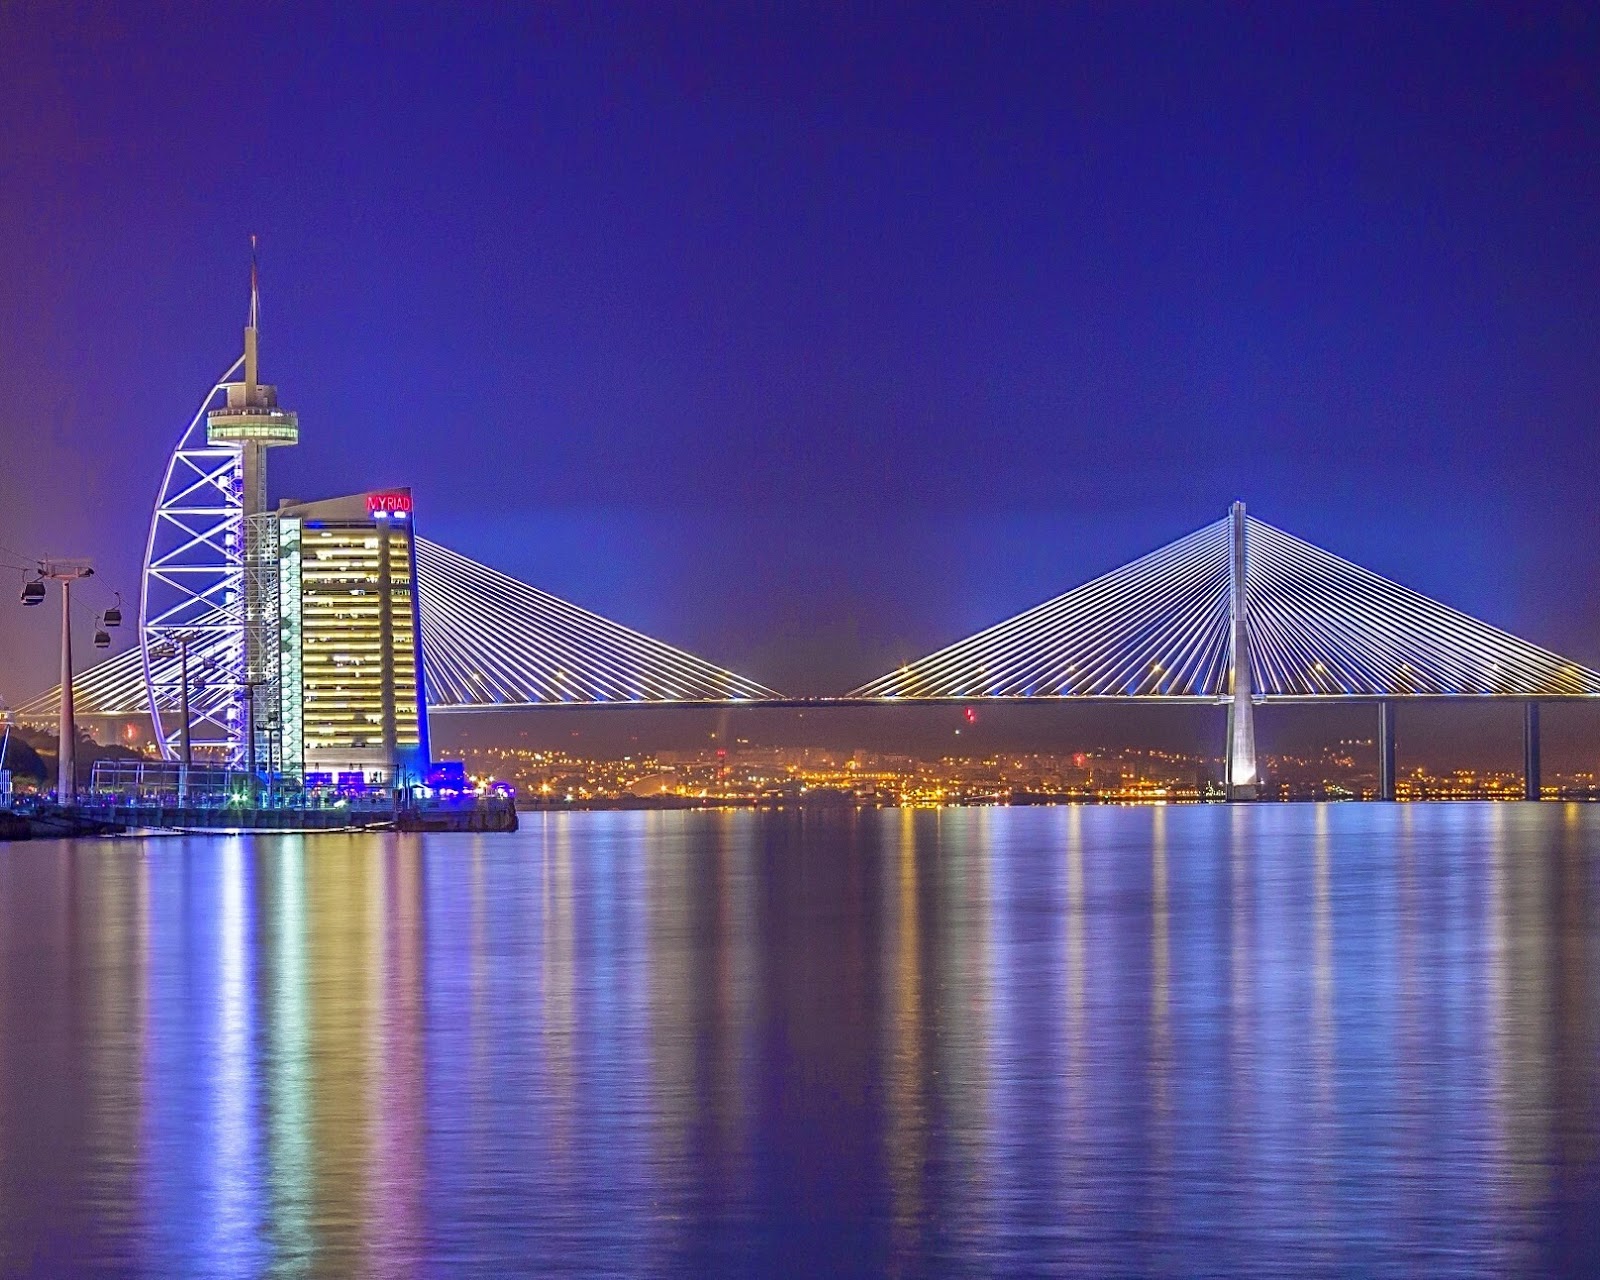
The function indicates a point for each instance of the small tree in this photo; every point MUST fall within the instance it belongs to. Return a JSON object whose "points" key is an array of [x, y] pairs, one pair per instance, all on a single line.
{"points": [[20, 757]]}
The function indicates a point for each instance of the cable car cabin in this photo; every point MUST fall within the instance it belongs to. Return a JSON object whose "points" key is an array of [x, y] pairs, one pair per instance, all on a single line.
{"points": [[33, 593], [112, 617], [102, 639]]}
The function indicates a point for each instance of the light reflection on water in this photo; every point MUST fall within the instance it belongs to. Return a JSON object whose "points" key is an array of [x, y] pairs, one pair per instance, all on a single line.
{"points": [[1254, 1041]]}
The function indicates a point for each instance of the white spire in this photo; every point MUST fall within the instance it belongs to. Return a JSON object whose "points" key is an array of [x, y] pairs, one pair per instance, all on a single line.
{"points": [[250, 331]]}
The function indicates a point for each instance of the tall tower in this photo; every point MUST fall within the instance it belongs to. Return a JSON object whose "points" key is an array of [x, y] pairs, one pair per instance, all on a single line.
{"points": [[252, 423], [1243, 783]]}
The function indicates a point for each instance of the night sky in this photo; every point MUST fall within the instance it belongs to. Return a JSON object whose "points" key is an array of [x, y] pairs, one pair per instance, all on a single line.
{"points": [[811, 339]]}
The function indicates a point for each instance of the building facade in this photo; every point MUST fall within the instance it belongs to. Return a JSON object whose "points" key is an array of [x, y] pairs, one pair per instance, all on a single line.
{"points": [[349, 683]]}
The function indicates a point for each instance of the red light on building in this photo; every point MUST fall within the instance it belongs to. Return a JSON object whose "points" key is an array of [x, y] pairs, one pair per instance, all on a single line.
{"points": [[388, 503]]}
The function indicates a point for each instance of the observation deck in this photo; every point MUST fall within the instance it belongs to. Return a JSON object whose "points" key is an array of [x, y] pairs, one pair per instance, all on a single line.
{"points": [[252, 419]]}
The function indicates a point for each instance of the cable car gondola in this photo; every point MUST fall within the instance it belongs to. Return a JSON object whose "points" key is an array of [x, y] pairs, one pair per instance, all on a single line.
{"points": [[33, 592], [112, 617], [102, 639]]}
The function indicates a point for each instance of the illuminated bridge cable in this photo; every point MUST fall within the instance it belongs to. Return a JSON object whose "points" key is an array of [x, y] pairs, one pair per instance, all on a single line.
{"points": [[1322, 626], [1318, 627], [492, 641], [1155, 627]]}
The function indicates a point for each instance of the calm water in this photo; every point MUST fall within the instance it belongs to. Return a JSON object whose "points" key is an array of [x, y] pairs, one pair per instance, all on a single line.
{"points": [[1359, 1040]]}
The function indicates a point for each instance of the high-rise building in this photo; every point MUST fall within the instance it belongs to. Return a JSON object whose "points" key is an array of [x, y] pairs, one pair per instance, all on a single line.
{"points": [[350, 697], [251, 422], [299, 630]]}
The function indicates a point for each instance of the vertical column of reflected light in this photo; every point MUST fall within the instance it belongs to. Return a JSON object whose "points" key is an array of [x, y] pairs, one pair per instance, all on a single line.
{"points": [[406, 1035], [1072, 1166], [555, 968], [1459, 1034], [1077, 970], [907, 1132], [738, 977], [113, 1045], [1160, 962], [1499, 1087], [338, 918], [10, 1146], [373, 1223], [1241, 1060], [1575, 1087], [173, 1103], [669, 893], [1534, 1066], [1411, 1132], [1324, 1052], [449, 1115], [972, 1052], [480, 1039], [233, 1246], [1283, 1157], [1018, 1158], [564, 1141], [696, 1144], [392, 1215], [1160, 1025], [288, 1081], [1532, 911], [663, 981], [615, 1151], [142, 1035]]}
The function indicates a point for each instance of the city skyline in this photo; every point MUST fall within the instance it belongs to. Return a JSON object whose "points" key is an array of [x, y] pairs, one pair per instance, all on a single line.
{"points": [[827, 640], [668, 460]]}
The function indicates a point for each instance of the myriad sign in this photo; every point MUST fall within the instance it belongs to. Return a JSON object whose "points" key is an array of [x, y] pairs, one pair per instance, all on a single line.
{"points": [[388, 503]]}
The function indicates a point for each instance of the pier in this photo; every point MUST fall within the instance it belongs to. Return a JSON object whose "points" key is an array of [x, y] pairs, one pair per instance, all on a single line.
{"points": [[56, 822]]}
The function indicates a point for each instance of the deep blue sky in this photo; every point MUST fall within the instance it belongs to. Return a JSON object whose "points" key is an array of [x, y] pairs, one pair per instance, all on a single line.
{"points": [[812, 339]]}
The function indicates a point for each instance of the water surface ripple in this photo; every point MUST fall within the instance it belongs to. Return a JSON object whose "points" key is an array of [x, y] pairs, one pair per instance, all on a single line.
{"points": [[1274, 1041]]}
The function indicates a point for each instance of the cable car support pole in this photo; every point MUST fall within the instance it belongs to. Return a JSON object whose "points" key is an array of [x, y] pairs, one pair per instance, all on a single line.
{"points": [[66, 572]]}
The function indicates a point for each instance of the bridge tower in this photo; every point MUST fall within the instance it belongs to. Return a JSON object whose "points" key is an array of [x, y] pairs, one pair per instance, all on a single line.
{"points": [[252, 423], [1241, 755]]}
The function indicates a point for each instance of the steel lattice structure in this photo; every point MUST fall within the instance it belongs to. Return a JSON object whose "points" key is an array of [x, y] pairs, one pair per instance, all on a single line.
{"points": [[1317, 626], [192, 592]]}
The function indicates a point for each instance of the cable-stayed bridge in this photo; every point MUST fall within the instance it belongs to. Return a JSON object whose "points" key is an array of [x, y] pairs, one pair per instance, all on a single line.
{"points": [[489, 643], [1242, 613], [1238, 613], [1316, 627]]}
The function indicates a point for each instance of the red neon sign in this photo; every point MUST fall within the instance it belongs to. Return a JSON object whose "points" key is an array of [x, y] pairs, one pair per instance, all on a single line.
{"points": [[388, 503]]}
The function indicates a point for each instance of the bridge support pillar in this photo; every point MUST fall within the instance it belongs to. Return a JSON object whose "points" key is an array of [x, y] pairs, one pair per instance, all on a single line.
{"points": [[1241, 762], [1242, 781], [1385, 749], [1530, 751]]}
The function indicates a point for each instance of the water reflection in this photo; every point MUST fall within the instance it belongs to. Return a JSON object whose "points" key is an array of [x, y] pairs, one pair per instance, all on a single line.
{"points": [[905, 1135], [287, 1066], [1270, 1041]]}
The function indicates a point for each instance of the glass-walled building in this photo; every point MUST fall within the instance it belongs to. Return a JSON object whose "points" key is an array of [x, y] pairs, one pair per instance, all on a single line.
{"points": [[350, 689]]}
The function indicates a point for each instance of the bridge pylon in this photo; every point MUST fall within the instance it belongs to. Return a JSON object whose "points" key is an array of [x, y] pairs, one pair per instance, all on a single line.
{"points": [[1242, 780]]}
